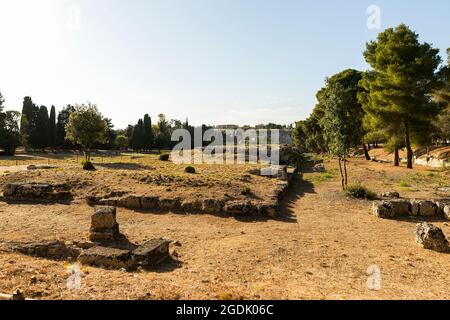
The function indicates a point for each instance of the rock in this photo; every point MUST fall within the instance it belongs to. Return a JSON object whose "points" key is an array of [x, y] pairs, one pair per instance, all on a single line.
{"points": [[440, 206], [319, 168], [447, 212], [106, 257], [105, 235], [383, 209], [391, 194], [238, 207], [401, 207], [431, 237], [415, 208], [427, 208], [104, 227], [267, 208], [193, 206], [150, 202], [36, 192], [169, 203], [43, 249], [104, 217], [254, 172], [151, 253], [213, 206], [130, 202], [111, 202]]}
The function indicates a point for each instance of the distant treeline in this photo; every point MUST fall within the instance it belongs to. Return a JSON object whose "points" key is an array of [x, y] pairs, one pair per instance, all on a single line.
{"points": [[37, 128]]}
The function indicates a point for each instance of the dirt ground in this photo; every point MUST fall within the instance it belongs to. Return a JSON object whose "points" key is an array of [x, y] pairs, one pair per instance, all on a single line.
{"points": [[321, 247]]}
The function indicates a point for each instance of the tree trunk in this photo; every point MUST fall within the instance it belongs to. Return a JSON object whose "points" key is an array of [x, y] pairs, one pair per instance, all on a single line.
{"points": [[366, 152], [342, 174], [345, 173], [396, 157], [408, 146]]}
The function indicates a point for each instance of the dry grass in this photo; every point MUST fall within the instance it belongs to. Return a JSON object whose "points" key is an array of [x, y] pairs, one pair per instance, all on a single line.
{"points": [[320, 248]]}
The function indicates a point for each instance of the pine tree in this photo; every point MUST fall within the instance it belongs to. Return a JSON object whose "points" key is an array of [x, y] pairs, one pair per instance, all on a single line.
{"points": [[403, 76]]}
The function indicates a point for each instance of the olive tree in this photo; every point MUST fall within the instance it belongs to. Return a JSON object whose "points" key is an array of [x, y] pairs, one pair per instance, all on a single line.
{"points": [[86, 126]]}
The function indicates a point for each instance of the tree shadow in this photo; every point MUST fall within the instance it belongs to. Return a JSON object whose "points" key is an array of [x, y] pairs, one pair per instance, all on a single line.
{"points": [[124, 166]]}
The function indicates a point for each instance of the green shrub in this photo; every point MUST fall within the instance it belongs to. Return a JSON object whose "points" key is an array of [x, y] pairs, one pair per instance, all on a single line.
{"points": [[88, 166], [246, 191], [164, 157], [360, 192], [324, 176], [190, 170], [404, 184]]}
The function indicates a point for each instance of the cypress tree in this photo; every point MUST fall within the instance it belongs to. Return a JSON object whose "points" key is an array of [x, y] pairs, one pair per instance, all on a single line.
{"points": [[52, 128], [42, 132], [148, 135]]}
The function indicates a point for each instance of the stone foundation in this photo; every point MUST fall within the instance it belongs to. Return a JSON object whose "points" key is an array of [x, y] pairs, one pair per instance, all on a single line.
{"points": [[36, 192]]}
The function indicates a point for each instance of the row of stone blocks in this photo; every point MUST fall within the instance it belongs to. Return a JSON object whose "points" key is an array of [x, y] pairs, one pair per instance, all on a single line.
{"points": [[402, 207], [36, 192], [211, 206]]}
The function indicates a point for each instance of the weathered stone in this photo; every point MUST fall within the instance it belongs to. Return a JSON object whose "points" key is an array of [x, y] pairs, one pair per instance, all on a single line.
{"points": [[255, 171], [431, 237], [318, 168], [151, 253], [238, 207], [130, 202], [427, 208], [36, 192], [103, 218], [440, 206], [42, 249], [193, 206], [169, 203], [401, 207], [212, 206], [111, 202], [383, 209], [105, 257], [390, 194], [105, 234], [150, 202], [415, 208], [446, 212], [267, 208]]}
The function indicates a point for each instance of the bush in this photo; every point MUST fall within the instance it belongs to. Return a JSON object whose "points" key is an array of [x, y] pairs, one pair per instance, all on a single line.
{"points": [[164, 157], [88, 166], [404, 184], [246, 191], [189, 170], [360, 192]]}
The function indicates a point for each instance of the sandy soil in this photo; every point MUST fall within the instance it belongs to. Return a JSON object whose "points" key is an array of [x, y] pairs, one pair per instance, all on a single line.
{"points": [[320, 248]]}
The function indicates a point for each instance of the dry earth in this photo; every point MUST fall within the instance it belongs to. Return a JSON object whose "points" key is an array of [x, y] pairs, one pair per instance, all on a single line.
{"points": [[319, 248]]}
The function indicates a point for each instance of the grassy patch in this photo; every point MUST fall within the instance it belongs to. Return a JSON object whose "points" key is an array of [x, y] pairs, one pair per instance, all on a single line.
{"points": [[360, 192], [404, 184]]}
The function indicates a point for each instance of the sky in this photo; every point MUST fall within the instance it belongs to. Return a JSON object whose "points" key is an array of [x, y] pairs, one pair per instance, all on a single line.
{"points": [[211, 61]]}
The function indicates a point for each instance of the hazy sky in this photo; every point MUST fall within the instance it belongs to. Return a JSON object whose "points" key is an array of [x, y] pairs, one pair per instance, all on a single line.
{"points": [[214, 61]]}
